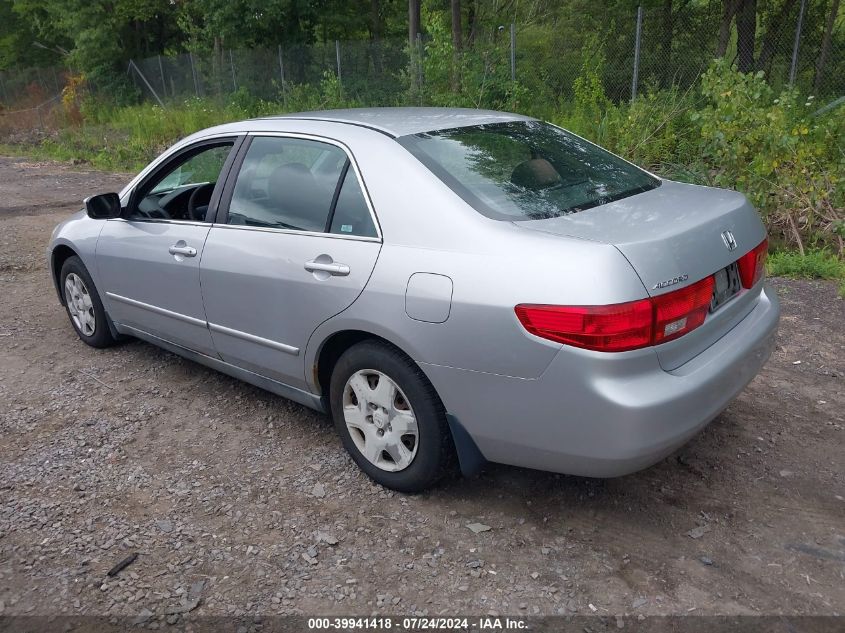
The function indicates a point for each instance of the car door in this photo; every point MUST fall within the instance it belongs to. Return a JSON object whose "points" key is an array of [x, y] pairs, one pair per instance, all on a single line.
{"points": [[149, 258], [294, 244]]}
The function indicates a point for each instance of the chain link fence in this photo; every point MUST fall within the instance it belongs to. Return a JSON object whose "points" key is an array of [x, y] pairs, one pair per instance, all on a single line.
{"points": [[648, 49], [374, 70], [20, 85], [652, 50]]}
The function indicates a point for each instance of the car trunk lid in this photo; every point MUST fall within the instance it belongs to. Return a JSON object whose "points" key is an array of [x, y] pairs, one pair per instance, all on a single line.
{"points": [[673, 236]]}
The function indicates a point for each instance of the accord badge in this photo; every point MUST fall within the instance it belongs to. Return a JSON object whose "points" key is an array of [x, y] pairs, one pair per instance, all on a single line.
{"points": [[670, 282]]}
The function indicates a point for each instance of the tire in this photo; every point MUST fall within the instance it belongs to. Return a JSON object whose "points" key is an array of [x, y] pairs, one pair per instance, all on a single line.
{"points": [[430, 456], [83, 305]]}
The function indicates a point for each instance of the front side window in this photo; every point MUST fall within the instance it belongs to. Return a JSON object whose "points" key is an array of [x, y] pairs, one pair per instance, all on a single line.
{"points": [[526, 170], [183, 190], [292, 183]]}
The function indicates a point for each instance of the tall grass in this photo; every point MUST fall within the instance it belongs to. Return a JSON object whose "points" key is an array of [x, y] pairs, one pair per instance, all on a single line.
{"points": [[813, 264], [127, 138]]}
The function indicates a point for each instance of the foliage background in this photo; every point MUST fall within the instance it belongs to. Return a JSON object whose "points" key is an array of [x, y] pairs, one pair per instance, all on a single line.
{"points": [[714, 103]]}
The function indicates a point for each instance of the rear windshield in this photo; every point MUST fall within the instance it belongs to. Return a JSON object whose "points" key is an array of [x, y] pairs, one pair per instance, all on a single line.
{"points": [[526, 170]]}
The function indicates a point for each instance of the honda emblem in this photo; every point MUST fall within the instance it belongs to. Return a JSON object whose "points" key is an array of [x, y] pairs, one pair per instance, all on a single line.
{"points": [[729, 240]]}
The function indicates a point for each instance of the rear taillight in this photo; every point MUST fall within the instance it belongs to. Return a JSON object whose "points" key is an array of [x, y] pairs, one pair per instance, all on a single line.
{"points": [[622, 326], [752, 265], [612, 328], [681, 311]]}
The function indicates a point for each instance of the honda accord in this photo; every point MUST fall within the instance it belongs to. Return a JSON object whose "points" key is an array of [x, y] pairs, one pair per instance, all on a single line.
{"points": [[451, 286]]}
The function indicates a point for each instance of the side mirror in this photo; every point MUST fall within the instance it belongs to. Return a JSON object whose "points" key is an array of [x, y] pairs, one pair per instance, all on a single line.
{"points": [[103, 207]]}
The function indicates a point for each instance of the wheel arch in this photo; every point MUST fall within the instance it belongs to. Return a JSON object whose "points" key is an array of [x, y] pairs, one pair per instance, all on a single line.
{"points": [[470, 458], [333, 347], [60, 254]]}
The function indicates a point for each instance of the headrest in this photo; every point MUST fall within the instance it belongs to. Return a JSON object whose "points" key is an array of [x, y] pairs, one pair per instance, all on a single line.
{"points": [[536, 173], [290, 182]]}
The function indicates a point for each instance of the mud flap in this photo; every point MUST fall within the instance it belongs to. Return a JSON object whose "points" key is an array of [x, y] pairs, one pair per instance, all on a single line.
{"points": [[116, 335], [469, 457]]}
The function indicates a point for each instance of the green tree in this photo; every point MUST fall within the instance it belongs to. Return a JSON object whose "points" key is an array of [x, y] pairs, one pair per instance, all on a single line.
{"points": [[102, 34], [21, 42]]}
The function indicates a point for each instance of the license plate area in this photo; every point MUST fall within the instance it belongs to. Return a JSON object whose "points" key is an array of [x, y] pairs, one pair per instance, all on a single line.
{"points": [[727, 286]]}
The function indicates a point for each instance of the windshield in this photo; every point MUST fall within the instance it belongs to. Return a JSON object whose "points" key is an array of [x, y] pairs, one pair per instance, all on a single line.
{"points": [[526, 170]]}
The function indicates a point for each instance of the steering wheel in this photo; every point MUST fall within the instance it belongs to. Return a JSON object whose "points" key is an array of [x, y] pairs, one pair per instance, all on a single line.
{"points": [[192, 201]]}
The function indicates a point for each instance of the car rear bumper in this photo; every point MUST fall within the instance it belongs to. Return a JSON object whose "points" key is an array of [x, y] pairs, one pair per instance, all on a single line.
{"points": [[605, 415]]}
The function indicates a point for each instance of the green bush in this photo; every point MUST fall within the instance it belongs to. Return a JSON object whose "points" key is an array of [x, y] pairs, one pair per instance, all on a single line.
{"points": [[656, 131], [790, 163]]}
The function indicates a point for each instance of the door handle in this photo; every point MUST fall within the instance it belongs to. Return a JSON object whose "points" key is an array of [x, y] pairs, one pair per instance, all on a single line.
{"points": [[187, 251], [339, 270]]}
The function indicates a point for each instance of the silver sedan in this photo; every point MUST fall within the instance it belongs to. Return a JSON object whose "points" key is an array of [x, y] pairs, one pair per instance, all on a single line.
{"points": [[451, 286]]}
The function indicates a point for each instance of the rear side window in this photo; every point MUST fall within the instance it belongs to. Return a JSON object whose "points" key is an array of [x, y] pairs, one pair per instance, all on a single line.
{"points": [[526, 170], [352, 215]]}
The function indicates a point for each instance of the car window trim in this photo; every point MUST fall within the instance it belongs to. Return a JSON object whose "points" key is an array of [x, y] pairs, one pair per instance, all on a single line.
{"points": [[222, 211], [270, 229], [214, 202], [175, 157], [336, 196]]}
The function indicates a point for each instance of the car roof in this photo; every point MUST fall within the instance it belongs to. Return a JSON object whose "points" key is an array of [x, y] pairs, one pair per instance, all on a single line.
{"points": [[402, 121]]}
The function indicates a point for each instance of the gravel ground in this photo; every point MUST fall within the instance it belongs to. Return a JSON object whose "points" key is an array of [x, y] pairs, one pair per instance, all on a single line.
{"points": [[239, 502]]}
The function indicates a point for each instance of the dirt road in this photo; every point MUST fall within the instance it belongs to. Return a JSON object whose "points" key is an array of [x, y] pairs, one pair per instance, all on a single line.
{"points": [[238, 501]]}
